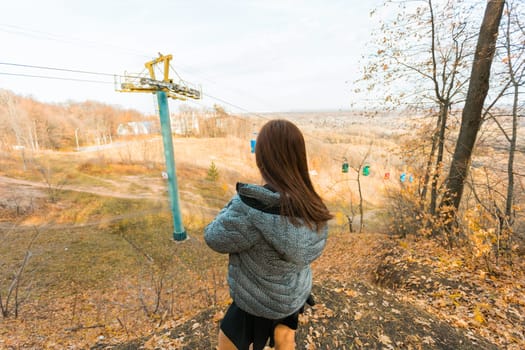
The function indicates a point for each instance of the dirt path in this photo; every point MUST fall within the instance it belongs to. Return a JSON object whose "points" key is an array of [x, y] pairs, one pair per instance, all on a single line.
{"points": [[19, 190], [8, 183]]}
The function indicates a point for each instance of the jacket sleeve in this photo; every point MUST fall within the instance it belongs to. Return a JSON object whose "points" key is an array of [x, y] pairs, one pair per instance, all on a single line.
{"points": [[230, 231]]}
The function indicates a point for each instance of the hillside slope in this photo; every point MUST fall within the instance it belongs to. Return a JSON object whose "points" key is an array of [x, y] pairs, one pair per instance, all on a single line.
{"points": [[352, 310]]}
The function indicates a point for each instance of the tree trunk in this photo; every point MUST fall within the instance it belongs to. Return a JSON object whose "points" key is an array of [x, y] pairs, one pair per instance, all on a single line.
{"points": [[361, 214], [443, 116], [472, 112], [512, 151], [428, 169], [13, 118], [513, 139]]}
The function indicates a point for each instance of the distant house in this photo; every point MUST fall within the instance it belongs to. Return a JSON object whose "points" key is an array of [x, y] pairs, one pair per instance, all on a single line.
{"points": [[135, 128]]}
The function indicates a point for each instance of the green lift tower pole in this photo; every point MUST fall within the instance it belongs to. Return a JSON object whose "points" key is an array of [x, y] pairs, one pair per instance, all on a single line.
{"points": [[179, 234], [163, 89]]}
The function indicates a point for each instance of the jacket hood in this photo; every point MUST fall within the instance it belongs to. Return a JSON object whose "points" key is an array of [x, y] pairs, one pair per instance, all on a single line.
{"points": [[259, 197], [297, 244]]}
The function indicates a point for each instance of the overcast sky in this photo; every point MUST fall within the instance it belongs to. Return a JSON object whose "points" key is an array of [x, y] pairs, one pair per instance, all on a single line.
{"points": [[259, 55]]}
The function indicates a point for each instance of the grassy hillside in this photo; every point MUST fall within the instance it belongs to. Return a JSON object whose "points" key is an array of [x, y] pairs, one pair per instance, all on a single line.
{"points": [[87, 255]]}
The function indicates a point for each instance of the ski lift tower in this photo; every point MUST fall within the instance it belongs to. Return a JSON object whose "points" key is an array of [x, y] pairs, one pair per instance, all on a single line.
{"points": [[163, 89]]}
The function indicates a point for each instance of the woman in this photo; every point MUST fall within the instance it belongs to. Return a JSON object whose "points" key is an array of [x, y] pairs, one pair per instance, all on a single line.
{"points": [[272, 233]]}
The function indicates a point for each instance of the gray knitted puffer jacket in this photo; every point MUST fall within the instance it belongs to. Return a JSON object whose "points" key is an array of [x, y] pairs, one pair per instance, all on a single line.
{"points": [[269, 258]]}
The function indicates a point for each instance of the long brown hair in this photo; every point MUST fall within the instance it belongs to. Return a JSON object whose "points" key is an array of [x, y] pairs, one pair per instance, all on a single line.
{"points": [[280, 154]]}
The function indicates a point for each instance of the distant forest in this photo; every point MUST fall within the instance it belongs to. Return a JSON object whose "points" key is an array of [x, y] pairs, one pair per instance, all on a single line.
{"points": [[34, 125]]}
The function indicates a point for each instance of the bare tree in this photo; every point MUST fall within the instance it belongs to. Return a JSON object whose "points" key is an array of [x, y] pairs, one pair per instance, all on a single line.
{"points": [[13, 117], [53, 187], [13, 291], [502, 112], [472, 111], [420, 64], [358, 169], [514, 37]]}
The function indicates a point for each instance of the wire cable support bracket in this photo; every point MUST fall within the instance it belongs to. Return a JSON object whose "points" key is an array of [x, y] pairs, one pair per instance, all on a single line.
{"points": [[180, 90]]}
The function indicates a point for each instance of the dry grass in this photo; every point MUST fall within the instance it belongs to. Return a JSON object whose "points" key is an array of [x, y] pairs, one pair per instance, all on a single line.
{"points": [[114, 278], [105, 263]]}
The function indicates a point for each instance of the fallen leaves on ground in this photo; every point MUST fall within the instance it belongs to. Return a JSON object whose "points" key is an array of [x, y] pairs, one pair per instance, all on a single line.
{"points": [[457, 289]]}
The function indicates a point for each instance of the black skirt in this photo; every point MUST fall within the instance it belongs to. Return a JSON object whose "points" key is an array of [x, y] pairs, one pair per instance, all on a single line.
{"points": [[244, 329]]}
